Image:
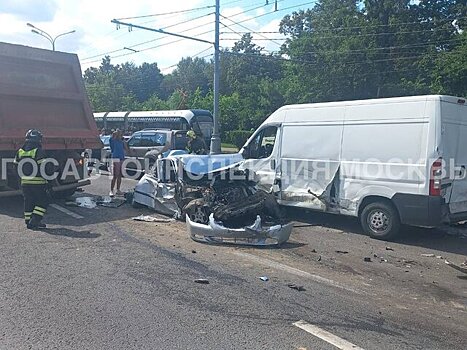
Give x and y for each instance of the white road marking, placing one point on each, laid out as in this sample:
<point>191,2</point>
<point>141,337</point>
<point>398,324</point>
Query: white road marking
<point>326,336</point>
<point>66,211</point>
<point>297,272</point>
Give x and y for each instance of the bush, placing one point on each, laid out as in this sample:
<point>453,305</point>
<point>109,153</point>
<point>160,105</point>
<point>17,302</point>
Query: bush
<point>238,137</point>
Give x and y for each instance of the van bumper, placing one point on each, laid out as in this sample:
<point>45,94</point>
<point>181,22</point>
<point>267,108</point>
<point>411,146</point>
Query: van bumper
<point>420,210</point>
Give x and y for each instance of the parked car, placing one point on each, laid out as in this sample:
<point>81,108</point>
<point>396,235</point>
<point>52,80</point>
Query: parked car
<point>388,161</point>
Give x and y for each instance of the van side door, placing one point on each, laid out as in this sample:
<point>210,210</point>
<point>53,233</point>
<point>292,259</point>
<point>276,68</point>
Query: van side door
<point>310,163</point>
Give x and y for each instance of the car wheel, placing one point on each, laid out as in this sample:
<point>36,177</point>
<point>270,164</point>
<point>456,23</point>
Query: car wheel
<point>380,220</point>
<point>197,211</point>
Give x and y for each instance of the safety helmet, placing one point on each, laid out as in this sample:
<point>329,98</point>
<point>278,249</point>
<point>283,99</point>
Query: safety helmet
<point>191,134</point>
<point>34,135</point>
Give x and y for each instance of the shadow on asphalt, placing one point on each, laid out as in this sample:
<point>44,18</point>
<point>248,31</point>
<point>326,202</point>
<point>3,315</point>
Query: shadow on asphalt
<point>429,238</point>
<point>70,233</point>
<point>13,207</point>
<point>435,239</point>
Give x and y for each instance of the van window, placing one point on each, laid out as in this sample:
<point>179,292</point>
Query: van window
<point>263,144</point>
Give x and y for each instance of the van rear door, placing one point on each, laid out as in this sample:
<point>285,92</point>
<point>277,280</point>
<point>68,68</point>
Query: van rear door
<point>454,141</point>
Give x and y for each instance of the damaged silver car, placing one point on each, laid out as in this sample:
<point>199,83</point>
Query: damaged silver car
<point>221,203</point>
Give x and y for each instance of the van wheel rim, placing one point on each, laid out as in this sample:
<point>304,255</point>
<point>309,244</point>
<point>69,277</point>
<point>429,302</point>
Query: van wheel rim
<point>378,221</point>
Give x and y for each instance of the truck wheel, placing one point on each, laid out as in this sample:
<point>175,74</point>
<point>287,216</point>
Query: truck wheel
<point>380,220</point>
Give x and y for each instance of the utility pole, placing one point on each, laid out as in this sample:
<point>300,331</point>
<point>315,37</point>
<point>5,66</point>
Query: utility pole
<point>215,139</point>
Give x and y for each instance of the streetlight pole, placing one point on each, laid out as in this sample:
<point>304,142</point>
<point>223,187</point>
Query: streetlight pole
<point>47,35</point>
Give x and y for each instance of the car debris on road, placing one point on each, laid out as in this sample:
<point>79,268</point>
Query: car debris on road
<point>201,281</point>
<point>149,218</point>
<point>296,287</point>
<point>93,202</point>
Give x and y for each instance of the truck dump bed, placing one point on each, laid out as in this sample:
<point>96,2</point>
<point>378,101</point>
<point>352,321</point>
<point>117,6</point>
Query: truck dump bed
<point>44,90</point>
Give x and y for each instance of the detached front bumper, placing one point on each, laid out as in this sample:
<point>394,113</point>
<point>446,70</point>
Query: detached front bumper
<point>255,234</point>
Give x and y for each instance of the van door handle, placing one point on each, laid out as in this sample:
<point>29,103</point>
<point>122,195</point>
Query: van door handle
<point>273,164</point>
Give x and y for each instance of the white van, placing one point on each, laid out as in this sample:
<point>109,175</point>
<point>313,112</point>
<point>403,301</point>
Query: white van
<point>388,161</point>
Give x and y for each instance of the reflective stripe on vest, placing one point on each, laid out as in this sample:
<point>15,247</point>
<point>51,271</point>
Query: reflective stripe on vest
<point>29,180</point>
<point>27,154</point>
<point>33,181</point>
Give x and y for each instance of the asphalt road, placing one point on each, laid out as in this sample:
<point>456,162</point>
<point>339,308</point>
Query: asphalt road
<point>95,279</point>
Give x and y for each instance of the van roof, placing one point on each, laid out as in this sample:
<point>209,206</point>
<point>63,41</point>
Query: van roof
<point>323,109</point>
<point>446,98</point>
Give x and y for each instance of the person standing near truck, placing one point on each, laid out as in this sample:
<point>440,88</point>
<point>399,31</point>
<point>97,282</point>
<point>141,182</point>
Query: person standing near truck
<point>29,159</point>
<point>117,148</point>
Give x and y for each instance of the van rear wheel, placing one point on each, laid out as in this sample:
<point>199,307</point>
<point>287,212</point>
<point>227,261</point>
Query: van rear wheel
<point>380,220</point>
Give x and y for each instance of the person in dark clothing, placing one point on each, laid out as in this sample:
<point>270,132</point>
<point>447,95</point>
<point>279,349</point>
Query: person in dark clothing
<point>196,144</point>
<point>29,159</point>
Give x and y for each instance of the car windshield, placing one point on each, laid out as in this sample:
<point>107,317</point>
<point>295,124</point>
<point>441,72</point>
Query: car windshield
<point>159,139</point>
<point>148,139</point>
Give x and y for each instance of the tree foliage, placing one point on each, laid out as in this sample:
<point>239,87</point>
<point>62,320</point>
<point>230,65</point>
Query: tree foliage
<point>336,50</point>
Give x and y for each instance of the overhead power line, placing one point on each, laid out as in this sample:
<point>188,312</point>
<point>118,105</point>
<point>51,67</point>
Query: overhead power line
<point>199,26</point>
<point>168,13</point>
<point>194,56</point>
<point>293,60</point>
<point>148,41</point>
<point>356,35</point>
<point>130,25</point>
<point>275,11</point>
<point>187,21</point>
<point>241,25</point>
<point>382,25</point>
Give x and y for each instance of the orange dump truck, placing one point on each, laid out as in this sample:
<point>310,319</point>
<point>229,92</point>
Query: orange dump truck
<point>44,90</point>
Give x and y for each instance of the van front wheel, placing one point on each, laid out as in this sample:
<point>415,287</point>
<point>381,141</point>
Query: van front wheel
<point>380,220</point>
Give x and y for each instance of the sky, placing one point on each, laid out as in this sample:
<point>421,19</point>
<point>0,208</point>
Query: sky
<point>96,36</point>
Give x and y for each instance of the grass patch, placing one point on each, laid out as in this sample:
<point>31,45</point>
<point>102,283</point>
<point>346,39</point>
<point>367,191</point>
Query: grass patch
<point>228,148</point>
